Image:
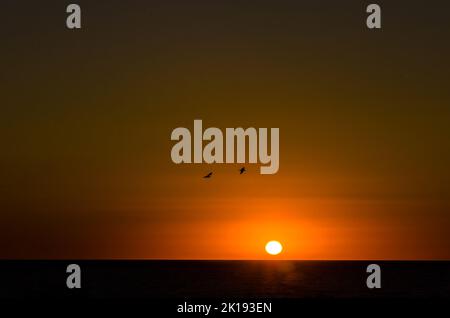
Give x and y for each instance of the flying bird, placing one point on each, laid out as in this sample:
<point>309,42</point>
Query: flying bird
<point>242,170</point>
<point>208,175</point>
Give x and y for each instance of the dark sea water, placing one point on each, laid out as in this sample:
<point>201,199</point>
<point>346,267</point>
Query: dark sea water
<point>225,279</point>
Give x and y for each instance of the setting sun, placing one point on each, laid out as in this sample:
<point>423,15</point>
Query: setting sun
<point>274,247</point>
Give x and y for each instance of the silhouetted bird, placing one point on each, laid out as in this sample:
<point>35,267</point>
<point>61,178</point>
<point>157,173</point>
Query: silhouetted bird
<point>242,170</point>
<point>208,175</point>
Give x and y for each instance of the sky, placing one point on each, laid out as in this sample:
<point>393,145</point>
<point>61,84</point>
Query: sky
<point>364,117</point>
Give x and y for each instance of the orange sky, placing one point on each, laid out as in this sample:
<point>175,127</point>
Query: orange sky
<point>232,217</point>
<point>85,167</point>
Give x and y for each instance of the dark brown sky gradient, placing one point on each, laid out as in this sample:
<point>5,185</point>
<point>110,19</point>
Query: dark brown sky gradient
<point>364,118</point>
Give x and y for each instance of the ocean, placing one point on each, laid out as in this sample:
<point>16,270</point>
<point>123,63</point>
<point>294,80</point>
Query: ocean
<point>222,280</point>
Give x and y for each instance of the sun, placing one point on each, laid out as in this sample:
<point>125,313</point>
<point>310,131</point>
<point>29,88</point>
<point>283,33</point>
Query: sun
<point>274,247</point>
